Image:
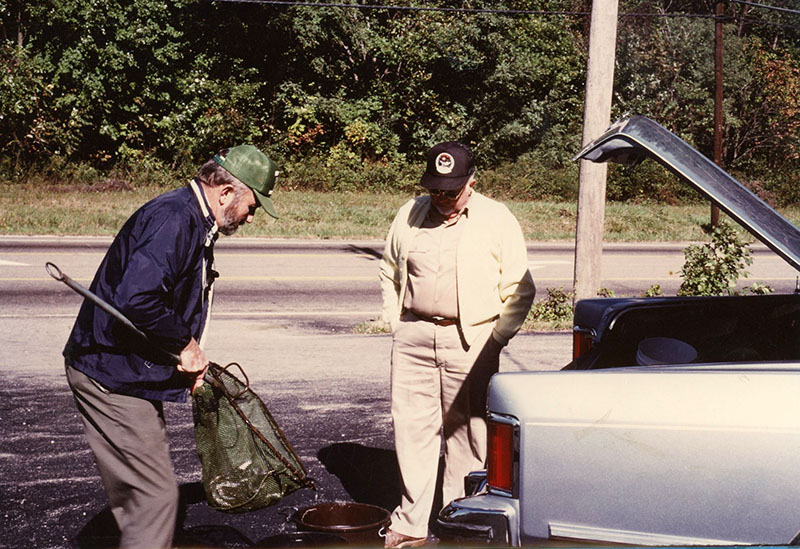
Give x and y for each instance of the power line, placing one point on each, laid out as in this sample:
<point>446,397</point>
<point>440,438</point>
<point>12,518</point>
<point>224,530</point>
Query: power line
<point>494,11</point>
<point>402,8</point>
<point>673,15</point>
<point>750,21</point>
<point>765,6</point>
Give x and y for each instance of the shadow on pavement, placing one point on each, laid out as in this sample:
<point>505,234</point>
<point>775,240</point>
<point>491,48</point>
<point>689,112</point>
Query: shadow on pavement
<point>369,475</point>
<point>101,531</point>
<point>376,254</point>
<point>211,535</point>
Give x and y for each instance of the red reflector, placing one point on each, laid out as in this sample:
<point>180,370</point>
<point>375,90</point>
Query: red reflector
<point>581,343</point>
<point>500,472</point>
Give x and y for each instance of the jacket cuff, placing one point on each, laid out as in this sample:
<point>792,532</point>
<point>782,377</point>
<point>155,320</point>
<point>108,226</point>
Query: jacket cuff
<point>501,339</point>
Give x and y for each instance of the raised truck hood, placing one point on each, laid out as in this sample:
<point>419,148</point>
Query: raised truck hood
<point>631,140</point>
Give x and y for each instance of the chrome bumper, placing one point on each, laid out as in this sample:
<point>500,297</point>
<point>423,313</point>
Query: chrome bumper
<point>486,518</point>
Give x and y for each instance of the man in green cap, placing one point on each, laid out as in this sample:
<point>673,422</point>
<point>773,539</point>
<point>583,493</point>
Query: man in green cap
<point>159,273</point>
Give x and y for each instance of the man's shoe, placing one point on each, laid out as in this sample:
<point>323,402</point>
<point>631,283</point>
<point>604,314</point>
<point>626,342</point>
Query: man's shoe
<point>398,540</point>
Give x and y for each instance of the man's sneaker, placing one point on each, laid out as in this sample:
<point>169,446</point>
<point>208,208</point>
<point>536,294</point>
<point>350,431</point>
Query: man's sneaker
<point>398,540</point>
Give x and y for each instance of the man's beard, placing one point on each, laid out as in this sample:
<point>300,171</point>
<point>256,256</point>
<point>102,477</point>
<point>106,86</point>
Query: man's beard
<point>229,224</point>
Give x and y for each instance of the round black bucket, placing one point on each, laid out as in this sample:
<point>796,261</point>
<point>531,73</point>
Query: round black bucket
<point>358,523</point>
<point>303,539</point>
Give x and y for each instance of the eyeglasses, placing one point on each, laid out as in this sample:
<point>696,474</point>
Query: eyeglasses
<point>451,195</point>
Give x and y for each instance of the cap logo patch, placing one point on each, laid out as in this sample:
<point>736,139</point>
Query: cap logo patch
<point>445,163</point>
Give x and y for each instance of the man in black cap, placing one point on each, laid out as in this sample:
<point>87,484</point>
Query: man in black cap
<point>456,287</point>
<point>158,272</point>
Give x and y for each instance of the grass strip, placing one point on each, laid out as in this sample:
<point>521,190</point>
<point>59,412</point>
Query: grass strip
<point>27,209</point>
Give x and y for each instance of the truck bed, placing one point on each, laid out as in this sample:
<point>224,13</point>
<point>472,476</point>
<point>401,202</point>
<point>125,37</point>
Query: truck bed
<point>721,329</point>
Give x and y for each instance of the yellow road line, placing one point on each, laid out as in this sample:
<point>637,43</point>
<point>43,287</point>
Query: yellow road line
<point>224,279</point>
<point>218,315</point>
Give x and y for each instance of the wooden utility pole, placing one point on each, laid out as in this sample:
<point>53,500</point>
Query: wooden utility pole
<point>718,54</point>
<point>596,118</point>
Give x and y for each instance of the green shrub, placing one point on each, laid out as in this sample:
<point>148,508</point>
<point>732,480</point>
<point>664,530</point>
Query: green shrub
<point>653,291</point>
<point>648,182</point>
<point>784,189</point>
<point>557,306</point>
<point>714,268</point>
<point>28,128</point>
<point>757,288</point>
<point>345,171</point>
<point>531,178</point>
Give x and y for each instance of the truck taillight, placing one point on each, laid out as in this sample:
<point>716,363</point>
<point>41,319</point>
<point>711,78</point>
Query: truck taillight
<point>502,454</point>
<point>581,342</point>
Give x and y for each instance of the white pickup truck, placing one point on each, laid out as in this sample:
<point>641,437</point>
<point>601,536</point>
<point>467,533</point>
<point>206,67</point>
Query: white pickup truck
<point>678,421</point>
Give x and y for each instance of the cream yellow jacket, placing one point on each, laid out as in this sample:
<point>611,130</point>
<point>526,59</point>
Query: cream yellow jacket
<point>493,280</point>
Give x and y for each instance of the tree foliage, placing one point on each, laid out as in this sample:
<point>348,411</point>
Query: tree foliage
<point>344,90</point>
<point>666,71</point>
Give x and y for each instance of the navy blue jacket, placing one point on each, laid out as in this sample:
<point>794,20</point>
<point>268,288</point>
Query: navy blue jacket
<point>158,273</point>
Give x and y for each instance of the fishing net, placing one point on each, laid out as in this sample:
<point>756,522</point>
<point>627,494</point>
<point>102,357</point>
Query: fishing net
<point>246,460</point>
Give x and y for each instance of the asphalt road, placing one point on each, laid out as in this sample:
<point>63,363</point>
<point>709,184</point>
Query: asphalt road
<point>285,312</point>
<point>325,279</point>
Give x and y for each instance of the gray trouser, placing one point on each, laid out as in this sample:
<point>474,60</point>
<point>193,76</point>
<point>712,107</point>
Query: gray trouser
<point>128,437</point>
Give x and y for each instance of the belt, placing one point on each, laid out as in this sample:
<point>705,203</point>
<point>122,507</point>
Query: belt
<point>438,320</point>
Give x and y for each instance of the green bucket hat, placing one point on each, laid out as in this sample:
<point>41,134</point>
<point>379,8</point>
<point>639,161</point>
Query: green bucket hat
<point>253,168</point>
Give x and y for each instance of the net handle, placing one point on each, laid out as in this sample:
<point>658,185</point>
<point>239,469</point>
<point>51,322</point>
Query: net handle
<point>54,271</point>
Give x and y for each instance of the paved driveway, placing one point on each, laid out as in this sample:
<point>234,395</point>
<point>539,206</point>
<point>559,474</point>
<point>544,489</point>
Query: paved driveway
<point>329,391</point>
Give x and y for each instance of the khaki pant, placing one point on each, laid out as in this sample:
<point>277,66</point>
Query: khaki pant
<point>129,440</point>
<point>438,389</point>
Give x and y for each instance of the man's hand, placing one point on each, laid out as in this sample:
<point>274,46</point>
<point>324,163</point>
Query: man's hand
<point>193,363</point>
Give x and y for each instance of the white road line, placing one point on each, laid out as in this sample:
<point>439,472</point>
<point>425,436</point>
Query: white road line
<point>538,265</point>
<point>7,263</point>
<point>224,279</point>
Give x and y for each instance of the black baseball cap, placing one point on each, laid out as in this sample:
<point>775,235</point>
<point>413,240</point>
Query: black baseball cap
<point>450,165</point>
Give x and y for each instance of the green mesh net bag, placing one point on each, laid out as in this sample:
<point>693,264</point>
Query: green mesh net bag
<point>247,462</point>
